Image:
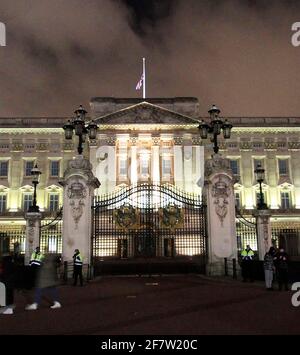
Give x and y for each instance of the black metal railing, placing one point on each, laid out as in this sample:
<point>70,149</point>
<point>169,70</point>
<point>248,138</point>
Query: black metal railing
<point>246,232</point>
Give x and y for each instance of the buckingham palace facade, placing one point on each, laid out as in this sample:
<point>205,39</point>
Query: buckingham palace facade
<point>156,142</point>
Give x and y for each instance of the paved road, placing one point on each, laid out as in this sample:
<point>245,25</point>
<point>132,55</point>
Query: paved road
<point>165,305</point>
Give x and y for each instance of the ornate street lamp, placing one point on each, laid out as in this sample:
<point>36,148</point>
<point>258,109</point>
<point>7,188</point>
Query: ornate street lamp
<point>81,130</point>
<point>35,173</point>
<point>260,176</point>
<point>215,127</point>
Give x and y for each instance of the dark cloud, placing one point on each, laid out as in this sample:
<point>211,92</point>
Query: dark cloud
<point>237,54</point>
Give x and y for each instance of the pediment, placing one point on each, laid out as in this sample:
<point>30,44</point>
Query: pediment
<point>285,182</point>
<point>145,113</point>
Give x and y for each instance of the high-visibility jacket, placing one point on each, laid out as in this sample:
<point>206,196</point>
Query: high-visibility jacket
<point>78,261</point>
<point>247,254</point>
<point>36,259</point>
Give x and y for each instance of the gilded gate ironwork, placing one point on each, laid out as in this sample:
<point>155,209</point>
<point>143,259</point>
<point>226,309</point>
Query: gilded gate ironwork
<point>148,220</point>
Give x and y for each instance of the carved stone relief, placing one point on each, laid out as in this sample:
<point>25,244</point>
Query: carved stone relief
<point>76,193</point>
<point>31,225</point>
<point>220,194</point>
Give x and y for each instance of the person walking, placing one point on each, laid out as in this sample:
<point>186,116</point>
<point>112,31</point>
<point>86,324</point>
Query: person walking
<point>47,281</point>
<point>77,263</point>
<point>8,277</point>
<point>247,264</point>
<point>281,264</point>
<point>269,268</point>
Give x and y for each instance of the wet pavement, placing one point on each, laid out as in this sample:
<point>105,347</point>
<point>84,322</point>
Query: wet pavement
<point>179,304</point>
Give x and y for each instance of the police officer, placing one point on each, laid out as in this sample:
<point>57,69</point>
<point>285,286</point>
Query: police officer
<point>36,258</point>
<point>247,264</point>
<point>77,262</point>
<point>35,263</point>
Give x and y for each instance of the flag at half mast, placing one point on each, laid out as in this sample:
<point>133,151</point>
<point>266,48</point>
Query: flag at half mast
<point>142,82</point>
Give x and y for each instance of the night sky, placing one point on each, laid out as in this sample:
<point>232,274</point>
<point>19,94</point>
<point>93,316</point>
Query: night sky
<point>236,54</point>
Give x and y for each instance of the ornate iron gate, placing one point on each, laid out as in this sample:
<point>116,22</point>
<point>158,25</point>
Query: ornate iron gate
<point>246,231</point>
<point>148,221</point>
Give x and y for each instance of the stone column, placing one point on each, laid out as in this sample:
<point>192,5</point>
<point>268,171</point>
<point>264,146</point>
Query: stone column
<point>93,155</point>
<point>264,235</point>
<point>188,167</point>
<point>79,184</point>
<point>219,194</point>
<point>33,227</point>
<point>111,163</point>
<point>133,166</point>
<point>178,162</point>
<point>155,163</point>
<point>198,168</point>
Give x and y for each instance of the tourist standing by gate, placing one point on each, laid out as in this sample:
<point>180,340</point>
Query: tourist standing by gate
<point>78,263</point>
<point>281,263</point>
<point>269,268</point>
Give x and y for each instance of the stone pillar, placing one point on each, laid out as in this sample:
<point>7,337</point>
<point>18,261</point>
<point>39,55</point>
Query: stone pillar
<point>111,164</point>
<point>155,161</point>
<point>264,235</point>
<point>198,165</point>
<point>79,184</point>
<point>188,167</point>
<point>93,156</point>
<point>219,194</point>
<point>133,167</point>
<point>33,227</point>
<point>178,162</point>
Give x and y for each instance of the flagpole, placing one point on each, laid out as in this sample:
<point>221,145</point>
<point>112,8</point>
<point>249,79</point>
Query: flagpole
<point>144,79</point>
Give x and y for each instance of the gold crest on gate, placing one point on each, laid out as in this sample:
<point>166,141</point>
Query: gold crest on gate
<point>171,217</point>
<point>126,218</point>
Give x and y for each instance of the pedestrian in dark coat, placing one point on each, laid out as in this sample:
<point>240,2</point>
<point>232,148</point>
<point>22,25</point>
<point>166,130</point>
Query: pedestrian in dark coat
<point>281,263</point>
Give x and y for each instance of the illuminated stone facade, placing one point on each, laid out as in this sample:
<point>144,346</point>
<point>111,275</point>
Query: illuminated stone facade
<point>154,141</point>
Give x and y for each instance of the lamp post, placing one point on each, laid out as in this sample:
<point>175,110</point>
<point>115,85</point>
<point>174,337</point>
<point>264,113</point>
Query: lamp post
<point>215,127</point>
<point>36,173</point>
<point>260,176</point>
<point>81,130</point>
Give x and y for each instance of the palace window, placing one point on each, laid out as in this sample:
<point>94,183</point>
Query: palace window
<point>123,166</point>
<point>27,201</point>
<point>283,167</point>
<point>234,165</point>
<point>285,200</point>
<point>166,166</point>
<point>53,202</point>
<point>144,167</point>
<point>2,203</point>
<point>29,164</point>
<point>54,168</point>
<point>4,168</point>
